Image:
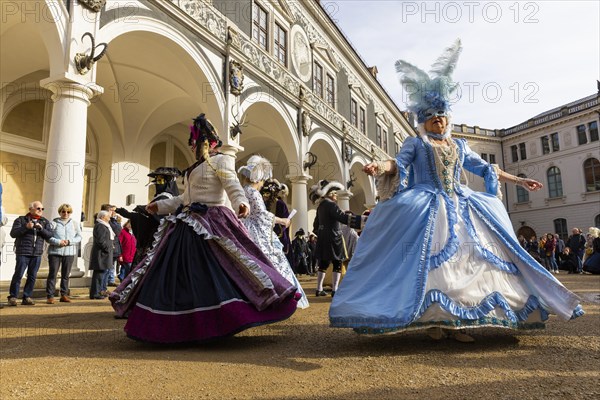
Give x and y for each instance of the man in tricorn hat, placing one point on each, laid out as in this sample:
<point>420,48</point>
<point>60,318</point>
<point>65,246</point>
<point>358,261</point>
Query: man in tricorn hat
<point>330,246</point>
<point>143,224</point>
<point>301,254</point>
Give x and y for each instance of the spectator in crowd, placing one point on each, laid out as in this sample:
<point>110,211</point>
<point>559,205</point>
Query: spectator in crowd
<point>65,240</point>
<point>301,253</point>
<point>522,241</point>
<point>3,221</point>
<point>592,261</point>
<point>29,232</point>
<point>109,277</point>
<point>577,244</point>
<point>128,246</point>
<point>570,262</point>
<point>549,249</point>
<point>533,248</point>
<point>101,258</point>
<point>560,248</point>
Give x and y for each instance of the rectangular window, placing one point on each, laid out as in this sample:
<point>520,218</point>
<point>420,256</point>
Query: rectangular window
<point>397,147</point>
<point>593,126</point>
<point>484,156</point>
<point>378,135</point>
<point>330,91</point>
<point>522,151</point>
<point>363,121</point>
<point>260,31</point>
<point>318,80</point>
<point>554,142</point>
<point>581,136</point>
<point>280,44</point>
<point>353,116</point>
<point>492,159</point>
<point>385,147</point>
<point>545,145</point>
<point>514,153</point>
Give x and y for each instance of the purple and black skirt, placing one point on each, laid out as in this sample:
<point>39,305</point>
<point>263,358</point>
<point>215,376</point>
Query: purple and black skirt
<point>203,279</point>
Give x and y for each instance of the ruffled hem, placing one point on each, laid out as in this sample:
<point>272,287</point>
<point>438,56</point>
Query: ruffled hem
<point>463,314</point>
<point>485,322</point>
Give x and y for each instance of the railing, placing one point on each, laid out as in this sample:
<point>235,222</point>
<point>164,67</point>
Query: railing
<point>547,118</point>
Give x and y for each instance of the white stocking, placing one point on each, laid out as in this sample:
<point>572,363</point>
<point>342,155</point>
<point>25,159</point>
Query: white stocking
<point>335,280</point>
<point>320,280</point>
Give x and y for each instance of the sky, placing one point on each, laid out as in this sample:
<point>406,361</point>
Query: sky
<point>519,59</point>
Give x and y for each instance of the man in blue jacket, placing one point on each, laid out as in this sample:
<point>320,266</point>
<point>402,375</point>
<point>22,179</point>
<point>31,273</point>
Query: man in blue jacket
<point>29,232</point>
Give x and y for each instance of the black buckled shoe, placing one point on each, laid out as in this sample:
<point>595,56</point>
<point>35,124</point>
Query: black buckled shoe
<point>320,293</point>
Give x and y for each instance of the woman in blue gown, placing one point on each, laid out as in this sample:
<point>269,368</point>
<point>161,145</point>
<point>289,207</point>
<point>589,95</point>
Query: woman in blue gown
<point>435,254</point>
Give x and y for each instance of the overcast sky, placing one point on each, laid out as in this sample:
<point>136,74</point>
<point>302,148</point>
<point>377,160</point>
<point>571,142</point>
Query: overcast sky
<point>519,59</point>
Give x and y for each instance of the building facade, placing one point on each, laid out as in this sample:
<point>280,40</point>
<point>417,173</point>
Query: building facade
<point>561,149</point>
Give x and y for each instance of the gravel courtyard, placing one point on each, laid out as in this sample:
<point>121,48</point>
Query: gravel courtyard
<point>79,351</point>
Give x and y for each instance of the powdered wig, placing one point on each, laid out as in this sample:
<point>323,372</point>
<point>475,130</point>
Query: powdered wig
<point>257,169</point>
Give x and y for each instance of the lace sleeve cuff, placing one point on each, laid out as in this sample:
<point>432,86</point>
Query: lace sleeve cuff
<point>389,184</point>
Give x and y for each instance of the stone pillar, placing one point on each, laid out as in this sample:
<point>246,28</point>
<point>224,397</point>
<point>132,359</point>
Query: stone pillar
<point>343,199</point>
<point>300,201</point>
<point>65,158</point>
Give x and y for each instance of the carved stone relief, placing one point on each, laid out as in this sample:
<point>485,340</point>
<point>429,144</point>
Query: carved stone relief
<point>236,77</point>
<point>301,53</point>
<point>94,5</point>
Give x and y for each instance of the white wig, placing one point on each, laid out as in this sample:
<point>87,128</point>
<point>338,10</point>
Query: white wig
<point>257,169</point>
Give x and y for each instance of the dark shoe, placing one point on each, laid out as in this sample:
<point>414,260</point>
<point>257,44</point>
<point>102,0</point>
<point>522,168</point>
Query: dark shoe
<point>332,293</point>
<point>320,293</point>
<point>65,299</point>
<point>28,301</point>
<point>112,284</point>
<point>50,300</point>
<point>97,297</point>
<point>12,301</point>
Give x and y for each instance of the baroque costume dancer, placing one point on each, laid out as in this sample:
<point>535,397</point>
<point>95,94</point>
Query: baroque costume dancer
<point>204,278</point>
<point>260,222</point>
<point>143,224</point>
<point>439,254</point>
<point>330,242</point>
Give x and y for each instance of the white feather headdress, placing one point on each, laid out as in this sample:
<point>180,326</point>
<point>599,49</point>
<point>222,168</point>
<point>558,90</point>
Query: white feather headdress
<point>257,169</point>
<point>430,91</point>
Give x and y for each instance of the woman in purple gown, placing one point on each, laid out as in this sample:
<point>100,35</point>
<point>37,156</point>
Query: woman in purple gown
<point>204,278</point>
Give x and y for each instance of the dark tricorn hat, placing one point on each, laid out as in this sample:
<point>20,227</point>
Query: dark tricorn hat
<point>165,171</point>
<point>300,232</point>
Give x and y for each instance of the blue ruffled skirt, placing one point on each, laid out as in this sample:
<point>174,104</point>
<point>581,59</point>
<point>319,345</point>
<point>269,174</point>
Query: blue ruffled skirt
<point>425,259</point>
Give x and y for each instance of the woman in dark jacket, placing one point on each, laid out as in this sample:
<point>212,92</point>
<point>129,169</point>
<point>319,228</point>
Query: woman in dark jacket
<point>102,253</point>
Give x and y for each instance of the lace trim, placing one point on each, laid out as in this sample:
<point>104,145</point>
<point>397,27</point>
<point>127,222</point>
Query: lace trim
<point>465,315</point>
<point>257,274</point>
<point>388,185</point>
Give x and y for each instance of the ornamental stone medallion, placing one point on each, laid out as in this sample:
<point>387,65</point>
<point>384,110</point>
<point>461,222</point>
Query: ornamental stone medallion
<point>94,5</point>
<point>301,53</point>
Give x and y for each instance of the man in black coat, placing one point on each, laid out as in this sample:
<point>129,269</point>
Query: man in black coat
<point>330,245</point>
<point>577,244</point>
<point>144,225</point>
<point>29,232</point>
<point>101,258</point>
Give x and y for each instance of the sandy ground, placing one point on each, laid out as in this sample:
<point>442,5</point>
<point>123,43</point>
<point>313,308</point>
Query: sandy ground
<point>79,351</point>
